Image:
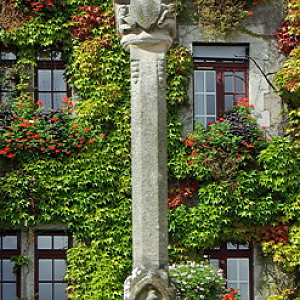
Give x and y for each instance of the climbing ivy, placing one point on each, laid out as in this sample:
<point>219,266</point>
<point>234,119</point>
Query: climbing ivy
<point>229,170</point>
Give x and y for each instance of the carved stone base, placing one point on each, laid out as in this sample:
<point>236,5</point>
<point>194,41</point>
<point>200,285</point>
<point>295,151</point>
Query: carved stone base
<point>148,284</point>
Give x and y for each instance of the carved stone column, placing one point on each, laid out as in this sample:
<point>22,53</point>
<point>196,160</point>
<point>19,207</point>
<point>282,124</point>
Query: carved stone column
<point>147,29</point>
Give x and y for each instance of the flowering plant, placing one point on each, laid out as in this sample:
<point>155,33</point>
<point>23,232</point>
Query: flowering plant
<point>32,6</point>
<point>233,139</point>
<point>200,281</point>
<point>26,128</point>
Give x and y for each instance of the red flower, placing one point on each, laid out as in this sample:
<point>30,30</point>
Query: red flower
<point>74,127</point>
<point>60,144</point>
<point>247,151</point>
<point>70,103</point>
<point>11,155</point>
<point>190,144</point>
<point>78,145</point>
<point>221,119</point>
<point>19,106</point>
<point>57,151</point>
<point>7,149</point>
<point>245,143</point>
<point>251,145</point>
<point>194,153</point>
<point>54,119</point>
<point>52,141</point>
<point>205,146</point>
<point>65,99</point>
<point>255,2</point>
<point>71,136</point>
<point>191,139</point>
<point>91,141</point>
<point>233,291</point>
<point>52,147</point>
<point>239,156</point>
<point>263,127</point>
<point>2,152</point>
<point>103,135</point>
<point>190,162</point>
<point>68,152</point>
<point>87,129</point>
<point>20,145</point>
<point>250,13</point>
<point>42,149</point>
<point>9,134</point>
<point>49,3</point>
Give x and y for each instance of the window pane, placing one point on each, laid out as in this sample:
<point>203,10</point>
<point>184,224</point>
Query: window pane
<point>244,247</point>
<point>8,55</point>
<point>7,270</point>
<point>228,101</point>
<point>45,98</point>
<point>228,77</point>
<point>200,120</point>
<point>56,56</point>
<point>239,82</point>
<point>57,100</point>
<point>214,262</point>
<point>199,105</point>
<point>45,291</point>
<point>44,80</point>
<point>9,291</point>
<point>231,246</point>
<point>211,120</point>
<point>244,269</point>
<point>59,83</point>
<point>199,81</point>
<point>45,269</point>
<point>44,242</point>
<point>9,242</point>
<point>60,268</point>
<point>232,269</point>
<point>244,291</point>
<point>211,104</point>
<point>210,81</point>
<point>60,292</point>
<point>61,242</point>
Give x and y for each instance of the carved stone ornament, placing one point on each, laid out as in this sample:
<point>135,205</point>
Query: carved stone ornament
<point>147,284</point>
<point>145,21</point>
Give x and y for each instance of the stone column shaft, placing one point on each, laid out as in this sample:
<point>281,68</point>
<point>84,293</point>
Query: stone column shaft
<point>149,158</point>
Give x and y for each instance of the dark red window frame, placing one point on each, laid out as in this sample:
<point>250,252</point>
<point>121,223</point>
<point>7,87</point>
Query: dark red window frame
<point>48,254</point>
<point>7,254</point>
<point>49,64</point>
<point>220,67</point>
<point>223,253</point>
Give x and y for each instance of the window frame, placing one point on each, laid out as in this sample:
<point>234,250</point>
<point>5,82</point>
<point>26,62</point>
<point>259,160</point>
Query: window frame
<point>49,64</point>
<point>223,253</point>
<point>7,63</point>
<point>48,254</point>
<point>7,254</point>
<point>220,66</point>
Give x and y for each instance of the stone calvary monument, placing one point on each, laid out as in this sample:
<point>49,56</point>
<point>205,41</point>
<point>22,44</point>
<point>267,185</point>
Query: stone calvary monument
<point>147,29</point>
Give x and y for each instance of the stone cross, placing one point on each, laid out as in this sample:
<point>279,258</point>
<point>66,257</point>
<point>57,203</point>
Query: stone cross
<point>147,29</point>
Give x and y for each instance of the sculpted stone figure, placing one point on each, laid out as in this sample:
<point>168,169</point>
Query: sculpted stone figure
<point>145,20</point>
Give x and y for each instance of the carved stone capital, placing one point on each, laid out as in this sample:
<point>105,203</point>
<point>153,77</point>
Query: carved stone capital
<point>145,22</point>
<point>149,284</point>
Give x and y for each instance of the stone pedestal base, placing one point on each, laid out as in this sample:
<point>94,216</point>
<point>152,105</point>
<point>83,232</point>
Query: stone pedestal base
<point>147,284</point>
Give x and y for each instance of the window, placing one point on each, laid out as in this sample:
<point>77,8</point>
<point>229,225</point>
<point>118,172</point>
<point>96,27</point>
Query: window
<point>50,82</point>
<point>50,265</point>
<point>9,281</point>
<point>220,77</point>
<point>7,59</point>
<point>236,262</point>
